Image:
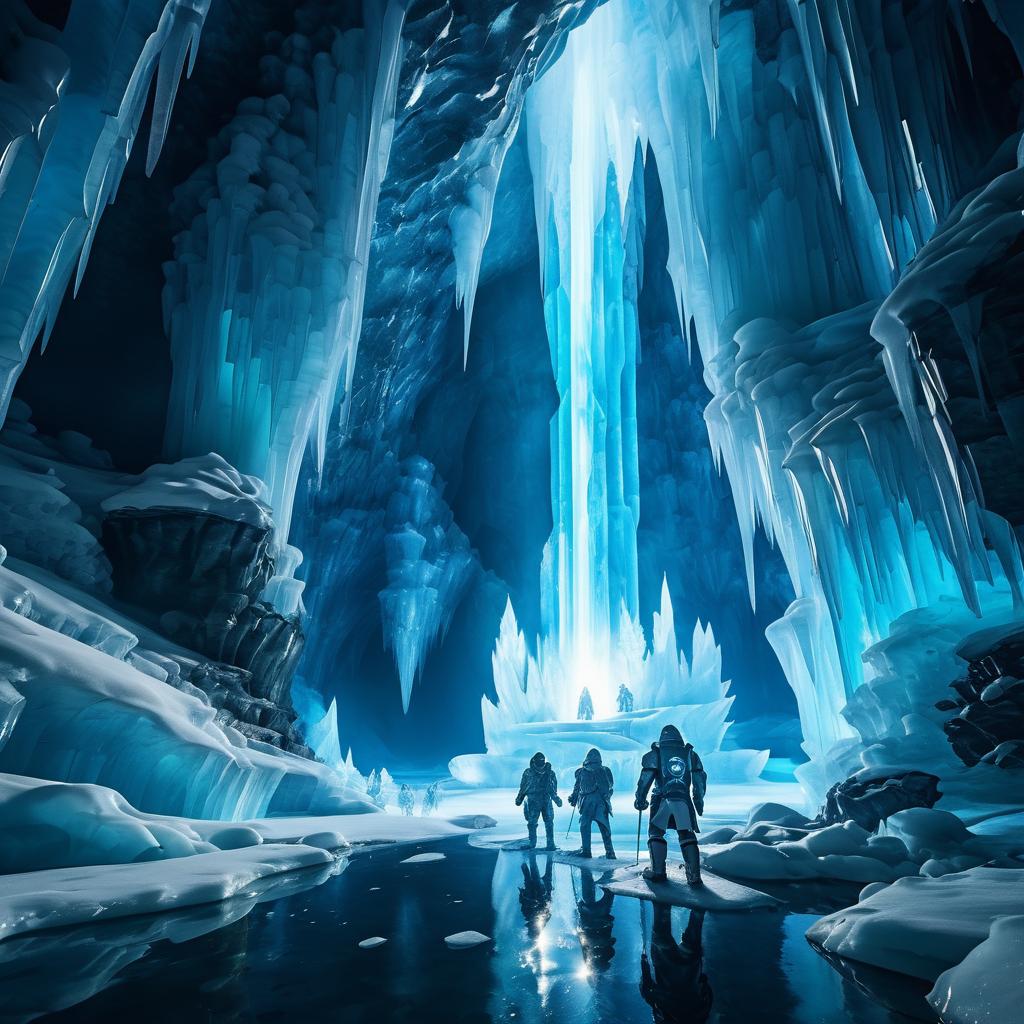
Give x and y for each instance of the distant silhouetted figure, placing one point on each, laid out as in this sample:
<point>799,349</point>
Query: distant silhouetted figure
<point>625,698</point>
<point>672,978</point>
<point>538,789</point>
<point>374,788</point>
<point>406,799</point>
<point>592,797</point>
<point>585,710</point>
<point>675,771</point>
<point>431,799</point>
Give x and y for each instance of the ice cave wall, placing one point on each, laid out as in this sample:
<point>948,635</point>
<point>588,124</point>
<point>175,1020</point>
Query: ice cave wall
<point>749,110</point>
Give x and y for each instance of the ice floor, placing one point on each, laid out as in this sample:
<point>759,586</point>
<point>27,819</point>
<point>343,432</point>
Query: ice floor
<point>556,951</point>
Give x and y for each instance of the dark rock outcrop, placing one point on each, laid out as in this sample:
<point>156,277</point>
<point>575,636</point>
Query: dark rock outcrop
<point>201,575</point>
<point>868,802</point>
<point>988,726</point>
<point>172,558</point>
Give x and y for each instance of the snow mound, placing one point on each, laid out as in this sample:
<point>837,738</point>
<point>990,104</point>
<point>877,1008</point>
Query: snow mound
<point>845,852</point>
<point>985,986</point>
<point>206,483</point>
<point>923,926</point>
<point>56,825</point>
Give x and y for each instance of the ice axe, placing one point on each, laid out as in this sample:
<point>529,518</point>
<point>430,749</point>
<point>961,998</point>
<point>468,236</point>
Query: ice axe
<point>639,825</point>
<point>571,816</point>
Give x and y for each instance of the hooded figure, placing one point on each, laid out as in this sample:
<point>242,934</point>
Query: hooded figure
<point>585,708</point>
<point>406,799</point>
<point>679,782</point>
<point>592,796</point>
<point>624,701</point>
<point>672,978</point>
<point>538,789</point>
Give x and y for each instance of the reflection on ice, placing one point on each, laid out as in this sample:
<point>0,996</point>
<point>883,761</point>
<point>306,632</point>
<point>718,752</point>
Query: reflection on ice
<point>91,957</point>
<point>562,950</point>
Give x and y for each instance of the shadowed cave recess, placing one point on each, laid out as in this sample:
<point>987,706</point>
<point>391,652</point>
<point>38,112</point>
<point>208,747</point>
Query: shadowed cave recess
<point>389,388</point>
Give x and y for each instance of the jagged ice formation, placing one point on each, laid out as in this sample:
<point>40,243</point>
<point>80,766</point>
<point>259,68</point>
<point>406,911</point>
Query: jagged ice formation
<point>264,298</point>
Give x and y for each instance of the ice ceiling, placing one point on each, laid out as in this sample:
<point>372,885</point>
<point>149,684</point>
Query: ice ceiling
<point>488,295</point>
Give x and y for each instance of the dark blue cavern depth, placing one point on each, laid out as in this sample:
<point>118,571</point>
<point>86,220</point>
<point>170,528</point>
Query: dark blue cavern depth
<point>520,502</point>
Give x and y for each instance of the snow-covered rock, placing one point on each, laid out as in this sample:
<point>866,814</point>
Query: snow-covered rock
<point>90,717</point>
<point>205,483</point>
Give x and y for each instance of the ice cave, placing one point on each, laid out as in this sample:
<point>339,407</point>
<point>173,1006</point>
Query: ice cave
<point>511,511</point>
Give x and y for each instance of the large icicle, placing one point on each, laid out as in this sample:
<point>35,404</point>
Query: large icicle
<point>264,299</point>
<point>86,91</point>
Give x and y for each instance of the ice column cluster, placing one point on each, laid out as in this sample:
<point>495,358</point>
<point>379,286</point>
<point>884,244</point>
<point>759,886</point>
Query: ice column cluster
<point>69,116</point>
<point>746,117</point>
<point>263,300</point>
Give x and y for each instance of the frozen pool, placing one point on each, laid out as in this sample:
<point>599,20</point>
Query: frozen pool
<point>560,951</point>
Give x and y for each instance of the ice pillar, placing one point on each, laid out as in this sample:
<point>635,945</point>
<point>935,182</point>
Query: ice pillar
<point>584,147</point>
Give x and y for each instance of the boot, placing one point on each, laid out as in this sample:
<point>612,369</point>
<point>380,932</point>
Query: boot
<point>584,850</point>
<point>659,854</point>
<point>549,828</point>
<point>691,862</point>
<point>606,835</point>
<point>531,831</point>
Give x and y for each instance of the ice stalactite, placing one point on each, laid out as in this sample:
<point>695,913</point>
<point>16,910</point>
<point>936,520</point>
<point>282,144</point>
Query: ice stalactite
<point>429,563</point>
<point>264,298</point>
<point>78,97</point>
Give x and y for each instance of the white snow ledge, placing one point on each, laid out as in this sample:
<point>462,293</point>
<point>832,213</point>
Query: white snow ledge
<point>36,900</point>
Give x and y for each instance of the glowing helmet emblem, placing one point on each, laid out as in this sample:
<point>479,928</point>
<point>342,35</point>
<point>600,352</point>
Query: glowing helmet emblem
<point>676,767</point>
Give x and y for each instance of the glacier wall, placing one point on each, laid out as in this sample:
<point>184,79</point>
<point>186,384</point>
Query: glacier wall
<point>73,108</point>
<point>264,298</point>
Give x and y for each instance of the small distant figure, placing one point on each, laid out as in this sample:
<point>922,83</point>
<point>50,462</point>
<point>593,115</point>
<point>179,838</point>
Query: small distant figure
<point>538,789</point>
<point>585,710</point>
<point>672,978</point>
<point>431,799</point>
<point>374,788</point>
<point>406,799</point>
<point>592,796</point>
<point>625,698</point>
<point>679,782</point>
